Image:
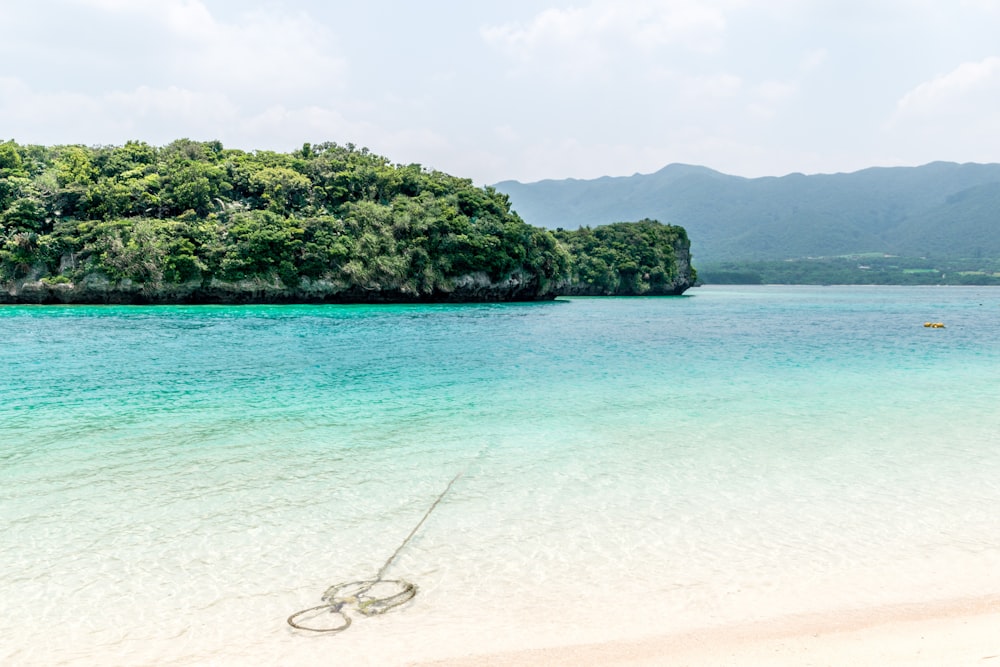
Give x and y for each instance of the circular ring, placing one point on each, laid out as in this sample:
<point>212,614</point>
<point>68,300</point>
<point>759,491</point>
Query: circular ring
<point>333,610</point>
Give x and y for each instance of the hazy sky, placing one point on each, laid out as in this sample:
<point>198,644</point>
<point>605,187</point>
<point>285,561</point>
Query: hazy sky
<point>520,89</point>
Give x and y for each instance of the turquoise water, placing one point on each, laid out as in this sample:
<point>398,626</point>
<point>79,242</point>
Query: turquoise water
<point>178,480</point>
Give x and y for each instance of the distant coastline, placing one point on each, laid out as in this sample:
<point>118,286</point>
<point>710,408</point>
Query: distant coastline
<point>927,225</point>
<point>863,269</point>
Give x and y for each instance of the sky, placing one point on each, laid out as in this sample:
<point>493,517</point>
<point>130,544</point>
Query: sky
<point>519,89</point>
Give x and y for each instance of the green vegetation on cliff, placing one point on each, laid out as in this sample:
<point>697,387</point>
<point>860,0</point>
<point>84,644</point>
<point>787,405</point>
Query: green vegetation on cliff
<point>632,259</point>
<point>195,211</point>
<point>194,221</point>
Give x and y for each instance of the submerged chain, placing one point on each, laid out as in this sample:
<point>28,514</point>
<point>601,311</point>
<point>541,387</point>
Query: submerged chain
<point>368,597</point>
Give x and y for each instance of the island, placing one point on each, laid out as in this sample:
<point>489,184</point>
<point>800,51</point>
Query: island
<point>195,222</point>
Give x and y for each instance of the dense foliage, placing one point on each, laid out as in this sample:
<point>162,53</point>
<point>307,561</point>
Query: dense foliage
<point>197,212</point>
<point>632,258</point>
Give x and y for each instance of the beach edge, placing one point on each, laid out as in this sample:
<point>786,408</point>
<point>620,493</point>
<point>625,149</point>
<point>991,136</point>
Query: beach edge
<point>953,632</point>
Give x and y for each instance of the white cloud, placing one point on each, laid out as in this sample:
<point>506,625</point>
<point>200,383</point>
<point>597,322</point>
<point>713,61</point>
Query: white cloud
<point>950,117</point>
<point>692,25</point>
<point>112,118</point>
<point>769,97</point>
<point>592,86</point>
<point>813,59</point>
<point>260,52</point>
<point>184,17</point>
<point>160,115</point>
<point>697,91</point>
<point>711,87</point>
<point>506,134</point>
<point>20,106</point>
<point>265,53</point>
<point>960,91</point>
<point>983,5</point>
<point>177,104</point>
<point>775,91</point>
<point>581,37</point>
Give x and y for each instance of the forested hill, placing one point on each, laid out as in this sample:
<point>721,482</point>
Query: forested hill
<point>194,222</point>
<point>940,210</point>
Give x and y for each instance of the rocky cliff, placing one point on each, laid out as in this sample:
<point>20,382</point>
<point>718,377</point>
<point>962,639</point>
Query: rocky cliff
<point>473,287</point>
<point>97,289</point>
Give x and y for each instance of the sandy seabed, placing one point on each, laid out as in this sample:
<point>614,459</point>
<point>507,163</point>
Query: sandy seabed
<point>954,633</point>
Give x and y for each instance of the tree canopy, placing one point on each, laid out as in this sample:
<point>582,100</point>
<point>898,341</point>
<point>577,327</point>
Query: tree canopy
<point>627,258</point>
<point>197,212</point>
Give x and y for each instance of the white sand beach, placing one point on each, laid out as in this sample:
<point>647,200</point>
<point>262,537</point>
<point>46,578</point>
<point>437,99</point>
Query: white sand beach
<point>955,633</point>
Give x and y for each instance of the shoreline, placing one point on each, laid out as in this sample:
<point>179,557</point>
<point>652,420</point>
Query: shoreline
<point>950,632</point>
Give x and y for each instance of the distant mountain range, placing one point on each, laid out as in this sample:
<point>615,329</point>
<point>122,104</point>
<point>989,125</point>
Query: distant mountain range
<point>940,210</point>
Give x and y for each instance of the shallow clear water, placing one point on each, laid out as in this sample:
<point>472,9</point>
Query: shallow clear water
<point>175,481</point>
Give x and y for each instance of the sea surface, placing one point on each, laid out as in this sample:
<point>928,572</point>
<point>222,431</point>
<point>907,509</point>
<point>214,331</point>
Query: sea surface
<point>176,481</point>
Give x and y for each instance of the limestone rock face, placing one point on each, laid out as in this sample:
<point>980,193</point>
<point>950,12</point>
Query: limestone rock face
<point>95,288</point>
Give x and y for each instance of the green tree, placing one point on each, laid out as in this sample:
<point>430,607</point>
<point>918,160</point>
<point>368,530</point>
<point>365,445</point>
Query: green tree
<point>282,190</point>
